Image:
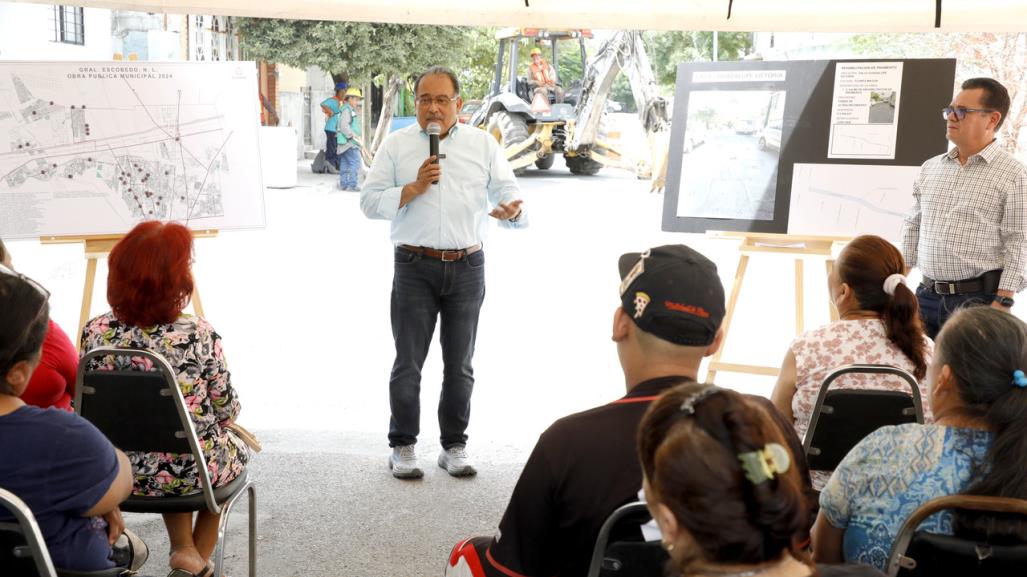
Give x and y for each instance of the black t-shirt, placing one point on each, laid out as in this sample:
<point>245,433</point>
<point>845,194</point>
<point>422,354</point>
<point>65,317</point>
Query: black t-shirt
<point>583,467</point>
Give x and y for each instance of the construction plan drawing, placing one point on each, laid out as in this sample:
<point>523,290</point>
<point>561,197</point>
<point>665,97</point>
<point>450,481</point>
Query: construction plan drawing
<point>850,199</point>
<point>865,110</point>
<point>96,147</point>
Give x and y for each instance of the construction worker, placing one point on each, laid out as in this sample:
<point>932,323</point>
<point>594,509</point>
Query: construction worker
<point>543,76</point>
<point>331,107</point>
<point>348,133</point>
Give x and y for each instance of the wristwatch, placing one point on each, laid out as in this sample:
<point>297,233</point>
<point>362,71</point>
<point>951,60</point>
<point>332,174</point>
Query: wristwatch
<point>1004,301</point>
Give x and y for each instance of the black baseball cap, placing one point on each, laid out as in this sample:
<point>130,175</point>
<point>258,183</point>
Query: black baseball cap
<point>674,293</point>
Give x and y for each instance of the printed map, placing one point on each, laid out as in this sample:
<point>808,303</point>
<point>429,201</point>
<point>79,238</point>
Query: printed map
<point>95,147</point>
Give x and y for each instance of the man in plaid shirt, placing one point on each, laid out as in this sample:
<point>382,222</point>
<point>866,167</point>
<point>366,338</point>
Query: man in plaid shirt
<point>967,231</point>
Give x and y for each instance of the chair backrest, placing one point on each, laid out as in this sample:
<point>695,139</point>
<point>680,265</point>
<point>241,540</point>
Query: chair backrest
<point>140,409</point>
<point>23,551</point>
<point>843,417</point>
<point>921,554</point>
<point>620,550</point>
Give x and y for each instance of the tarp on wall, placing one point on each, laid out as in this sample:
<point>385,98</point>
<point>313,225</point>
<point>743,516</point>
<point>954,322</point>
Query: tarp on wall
<point>752,15</point>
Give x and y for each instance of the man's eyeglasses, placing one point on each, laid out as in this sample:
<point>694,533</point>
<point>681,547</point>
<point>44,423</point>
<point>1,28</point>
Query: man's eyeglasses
<point>440,101</point>
<point>40,288</point>
<point>960,111</point>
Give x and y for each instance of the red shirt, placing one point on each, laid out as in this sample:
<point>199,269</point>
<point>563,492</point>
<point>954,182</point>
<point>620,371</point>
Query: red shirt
<point>53,382</point>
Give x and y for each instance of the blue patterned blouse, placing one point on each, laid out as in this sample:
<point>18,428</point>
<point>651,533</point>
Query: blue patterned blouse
<point>889,474</point>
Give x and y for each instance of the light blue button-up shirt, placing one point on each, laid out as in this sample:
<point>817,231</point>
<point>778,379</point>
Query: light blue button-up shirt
<point>454,213</point>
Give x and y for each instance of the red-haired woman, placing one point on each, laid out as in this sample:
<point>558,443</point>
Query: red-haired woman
<point>879,324</point>
<point>149,283</point>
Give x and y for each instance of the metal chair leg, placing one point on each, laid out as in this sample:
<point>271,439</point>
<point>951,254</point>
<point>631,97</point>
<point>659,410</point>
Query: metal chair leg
<point>226,511</point>
<point>253,530</point>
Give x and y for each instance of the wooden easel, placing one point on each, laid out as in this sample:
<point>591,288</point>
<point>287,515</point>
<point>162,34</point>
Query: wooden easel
<point>762,243</point>
<point>99,246</point>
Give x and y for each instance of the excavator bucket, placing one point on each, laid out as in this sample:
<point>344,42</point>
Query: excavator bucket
<point>659,144</point>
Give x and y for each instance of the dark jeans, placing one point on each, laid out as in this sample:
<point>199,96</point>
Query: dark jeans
<point>331,148</point>
<point>423,290</point>
<point>935,309</point>
<point>349,168</point>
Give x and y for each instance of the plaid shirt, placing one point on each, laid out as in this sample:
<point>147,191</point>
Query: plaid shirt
<point>969,219</point>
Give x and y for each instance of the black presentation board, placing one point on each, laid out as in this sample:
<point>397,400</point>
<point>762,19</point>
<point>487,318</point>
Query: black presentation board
<point>802,135</point>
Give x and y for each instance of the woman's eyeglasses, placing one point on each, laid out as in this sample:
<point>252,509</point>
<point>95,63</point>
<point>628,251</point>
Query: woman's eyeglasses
<point>42,305</point>
<point>42,290</point>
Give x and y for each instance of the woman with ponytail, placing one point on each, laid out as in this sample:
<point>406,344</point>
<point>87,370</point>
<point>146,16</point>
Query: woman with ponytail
<point>725,487</point>
<point>977,445</point>
<point>879,323</point>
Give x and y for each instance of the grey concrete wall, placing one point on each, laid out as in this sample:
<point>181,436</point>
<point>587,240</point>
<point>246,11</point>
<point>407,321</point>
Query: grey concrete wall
<point>321,87</point>
<point>290,113</point>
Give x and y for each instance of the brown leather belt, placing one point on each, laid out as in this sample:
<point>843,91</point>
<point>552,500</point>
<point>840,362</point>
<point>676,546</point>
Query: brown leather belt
<point>443,255</point>
<point>986,283</point>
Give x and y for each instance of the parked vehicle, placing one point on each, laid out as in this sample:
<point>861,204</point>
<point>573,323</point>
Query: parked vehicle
<point>745,127</point>
<point>770,138</point>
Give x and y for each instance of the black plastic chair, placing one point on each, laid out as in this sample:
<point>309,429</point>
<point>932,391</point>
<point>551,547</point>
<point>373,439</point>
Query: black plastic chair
<point>843,417</point>
<point>22,549</point>
<point>144,411</point>
<point>922,554</point>
<point>620,550</point>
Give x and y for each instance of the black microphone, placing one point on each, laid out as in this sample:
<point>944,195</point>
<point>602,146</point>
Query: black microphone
<point>433,129</point>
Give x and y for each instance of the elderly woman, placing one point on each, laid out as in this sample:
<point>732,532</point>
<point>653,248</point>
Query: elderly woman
<point>65,470</point>
<point>976,445</point>
<point>879,324</point>
<point>724,487</point>
<point>149,283</point>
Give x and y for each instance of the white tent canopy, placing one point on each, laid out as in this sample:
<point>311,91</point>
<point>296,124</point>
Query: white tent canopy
<point>752,15</point>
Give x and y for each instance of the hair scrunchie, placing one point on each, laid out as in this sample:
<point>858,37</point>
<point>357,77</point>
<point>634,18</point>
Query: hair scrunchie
<point>892,282</point>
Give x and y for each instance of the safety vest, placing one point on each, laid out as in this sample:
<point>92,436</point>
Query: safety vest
<point>354,124</point>
<point>541,74</point>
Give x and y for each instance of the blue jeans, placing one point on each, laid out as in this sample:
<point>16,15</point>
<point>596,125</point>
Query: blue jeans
<point>935,308</point>
<point>424,290</point>
<point>331,148</point>
<point>349,167</point>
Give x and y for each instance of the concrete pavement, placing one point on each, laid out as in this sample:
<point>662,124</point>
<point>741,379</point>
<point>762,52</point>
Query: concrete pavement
<point>302,306</point>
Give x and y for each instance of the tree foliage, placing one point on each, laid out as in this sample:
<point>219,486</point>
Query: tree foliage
<point>475,73</point>
<point>668,49</point>
<point>388,55</point>
<point>361,52</point>
<point>999,56</point>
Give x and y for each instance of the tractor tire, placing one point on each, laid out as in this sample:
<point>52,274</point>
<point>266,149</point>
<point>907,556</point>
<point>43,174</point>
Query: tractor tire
<point>582,165</point>
<point>509,129</point>
<point>546,162</point>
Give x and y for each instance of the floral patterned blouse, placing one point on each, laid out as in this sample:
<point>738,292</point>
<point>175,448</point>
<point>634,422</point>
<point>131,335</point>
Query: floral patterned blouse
<point>844,342</point>
<point>889,474</point>
<point>193,349</point>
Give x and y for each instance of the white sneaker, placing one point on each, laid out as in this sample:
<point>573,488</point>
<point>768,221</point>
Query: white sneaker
<point>456,462</point>
<point>403,462</point>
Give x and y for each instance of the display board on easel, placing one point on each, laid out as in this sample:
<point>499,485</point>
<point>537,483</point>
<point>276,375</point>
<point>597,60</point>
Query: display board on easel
<point>825,147</point>
<point>799,156</point>
<point>92,148</point>
<point>89,149</point>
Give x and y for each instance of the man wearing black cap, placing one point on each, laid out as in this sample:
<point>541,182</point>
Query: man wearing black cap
<point>585,465</point>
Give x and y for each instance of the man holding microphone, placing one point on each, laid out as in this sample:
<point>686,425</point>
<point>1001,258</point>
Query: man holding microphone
<point>439,206</point>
